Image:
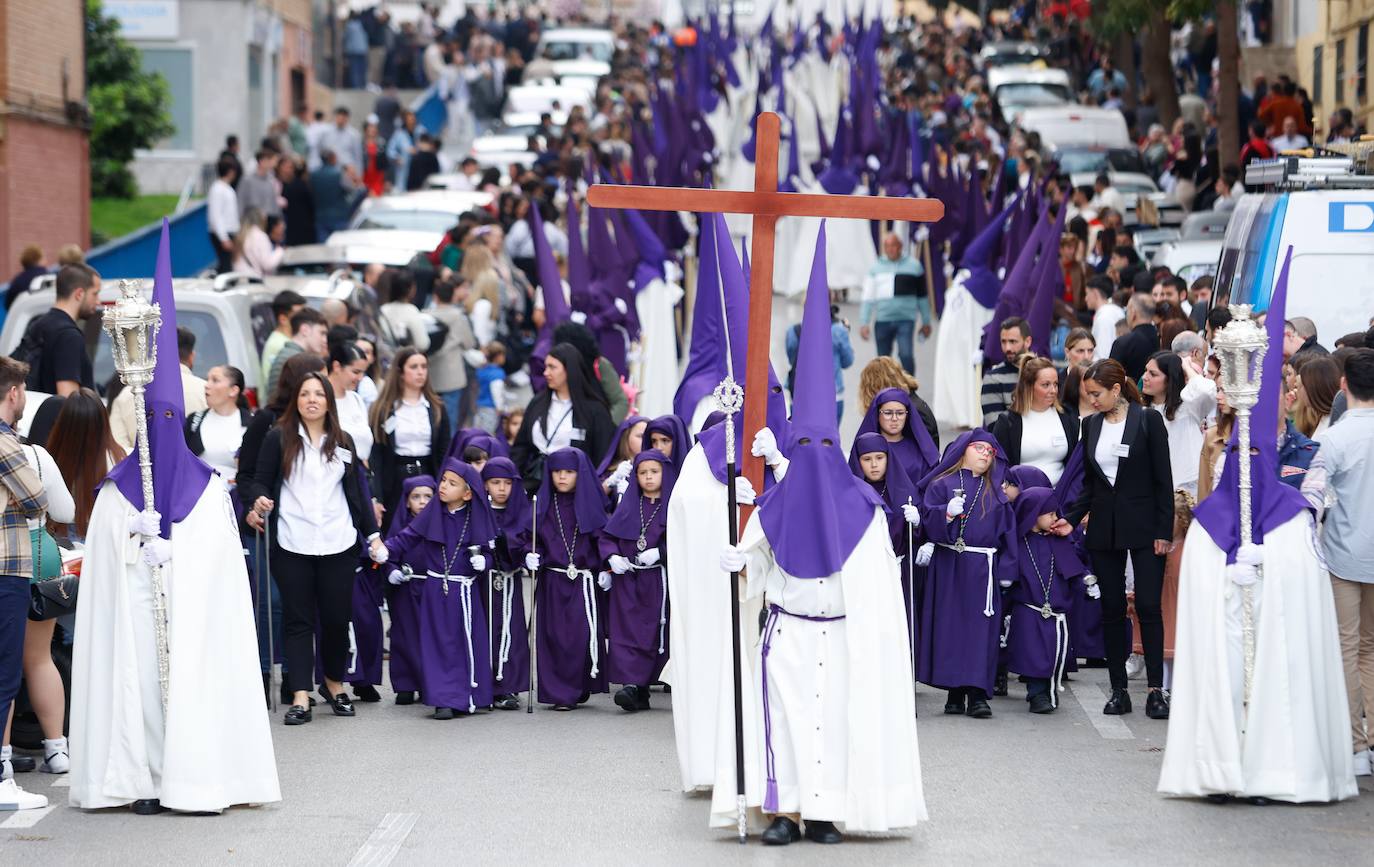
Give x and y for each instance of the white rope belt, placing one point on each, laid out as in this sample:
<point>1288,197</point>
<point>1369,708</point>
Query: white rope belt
<point>508,582</point>
<point>663,603</point>
<point>1061,650</point>
<point>588,608</point>
<point>989,553</point>
<point>464,597</point>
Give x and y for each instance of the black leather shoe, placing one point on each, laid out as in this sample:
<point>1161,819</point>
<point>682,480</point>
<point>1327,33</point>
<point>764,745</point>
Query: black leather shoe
<point>978,707</point>
<point>148,807</point>
<point>1118,704</point>
<point>954,703</point>
<point>823,832</point>
<point>506,702</point>
<point>406,697</point>
<point>627,698</point>
<point>341,703</point>
<point>23,764</point>
<point>298,716</point>
<point>1041,703</point>
<point>1157,704</point>
<point>1219,799</point>
<point>781,832</point>
<point>999,683</point>
<point>366,692</point>
<point>443,713</point>
<point>584,698</point>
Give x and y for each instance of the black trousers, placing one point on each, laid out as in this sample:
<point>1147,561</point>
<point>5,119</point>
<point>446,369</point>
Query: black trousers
<point>224,259</point>
<point>310,587</point>
<point>1110,568</point>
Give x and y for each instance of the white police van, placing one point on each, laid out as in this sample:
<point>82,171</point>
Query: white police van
<point>1323,208</point>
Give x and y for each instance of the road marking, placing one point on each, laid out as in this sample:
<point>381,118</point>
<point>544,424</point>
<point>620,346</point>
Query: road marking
<point>1110,727</point>
<point>384,843</point>
<point>26,818</point>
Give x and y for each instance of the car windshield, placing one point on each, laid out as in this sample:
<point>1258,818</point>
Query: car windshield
<point>1026,94</point>
<point>1195,271</point>
<point>1013,57</point>
<point>1075,160</point>
<point>210,348</point>
<point>415,221</point>
<point>577,50</point>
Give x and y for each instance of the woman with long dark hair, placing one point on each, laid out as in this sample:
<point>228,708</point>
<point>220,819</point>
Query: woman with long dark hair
<point>347,367</point>
<point>1128,489</point>
<point>1037,430</point>
<point>215,434</point>
<point>85,451</point>
<point>569,413</point>
<point>1185,398</point>
<point>410,427</point>
<point>309,484</point>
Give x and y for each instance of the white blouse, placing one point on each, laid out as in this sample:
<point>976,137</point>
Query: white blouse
<point>555,430</point>
<point>61,506</point>
<point>1186,431</point>
<point>1107,442</point>
<point>314,518</point>
<point>353,419</point>
<point>221,436</point>
<point>411,435</point>
<point>1042,442</point>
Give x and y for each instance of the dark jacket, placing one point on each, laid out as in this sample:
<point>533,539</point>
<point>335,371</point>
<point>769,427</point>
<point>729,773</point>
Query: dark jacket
<point>422,165</point>
<point>332,201</point>
<point>1134,349</point>
<point>300,213</point>
<point>1007,429</point>
<point>1140,508</point>
<point>590,417</point>
<point>267,478</point>
<point>1296,452</point>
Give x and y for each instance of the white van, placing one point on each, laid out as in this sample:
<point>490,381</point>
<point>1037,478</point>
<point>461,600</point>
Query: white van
<point>1017,88</point>
<point>1071,126</point>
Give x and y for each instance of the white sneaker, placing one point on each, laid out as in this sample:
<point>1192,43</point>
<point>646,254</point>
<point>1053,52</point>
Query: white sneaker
<point>12,797</point>
<point>1362,768</point>
<point>1135,666</point>
<point>55,759</point>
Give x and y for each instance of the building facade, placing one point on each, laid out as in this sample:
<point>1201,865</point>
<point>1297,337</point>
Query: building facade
<point>45,178</point>
<point>1333,60</point>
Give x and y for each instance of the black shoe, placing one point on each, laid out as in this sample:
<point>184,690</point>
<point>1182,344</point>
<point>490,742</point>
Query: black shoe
<point>298,716</point>
<point>148,807</point>
<point>506,702</point>
<point>341,703</point>
<point>781,832</point>
<point>565,707</point>
<point>1258,801</point>
<point>584,698</point>
<point>1118,704</point>
<point>443,713</point>
<point>288,695</point>
<point>999,683</point>
<point>978,704</point>
<point>1219,799</point>
<point>267,688</point>
<point>823,832</point>
<point>627,699</point>
<point>23,764</point>
<point>406,697</point>
<point>1157,704</point>
<point>955,702</point>
<point>1041,703</point>
<point>366,692</point>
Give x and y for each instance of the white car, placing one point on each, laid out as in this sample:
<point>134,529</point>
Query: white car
<point>1189,259</point>
<point>1077,126</point>
<point>553,98</point>
<point>1017,88</point>
<point>584,51</point>
<point>417,211</point>
<point>1012,54</point>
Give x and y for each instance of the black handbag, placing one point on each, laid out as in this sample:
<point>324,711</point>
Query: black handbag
<point>51,595</point>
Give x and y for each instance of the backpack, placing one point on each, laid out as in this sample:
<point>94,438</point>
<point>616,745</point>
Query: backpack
<point>30,351</point>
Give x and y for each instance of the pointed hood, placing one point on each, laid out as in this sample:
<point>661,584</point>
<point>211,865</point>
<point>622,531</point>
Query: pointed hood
<point>1014,298</point>
<point>179,477</point>
<point>982,282</point>
<point>705,364</point>
<point>1047,288</point>
<point>817,514</point>
<point>556,309</point>
<point>579,268</point>
<point>651,251</point>
<point>839,178</point>
<point>1272,502</point>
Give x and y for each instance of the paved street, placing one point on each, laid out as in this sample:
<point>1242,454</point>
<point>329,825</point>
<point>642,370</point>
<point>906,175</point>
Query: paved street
<point>393,786</point>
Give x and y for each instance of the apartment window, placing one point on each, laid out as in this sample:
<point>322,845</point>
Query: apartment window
<point>1317,72</point>
<point>1362,64</point>
<point>177,67</point>
<point>1340,73</point>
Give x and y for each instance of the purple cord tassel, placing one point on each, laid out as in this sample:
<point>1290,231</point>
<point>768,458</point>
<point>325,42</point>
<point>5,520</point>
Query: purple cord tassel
<point>770,794</point>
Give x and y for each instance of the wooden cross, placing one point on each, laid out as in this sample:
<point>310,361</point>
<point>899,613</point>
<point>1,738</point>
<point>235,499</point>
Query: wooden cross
<point>765,204</point>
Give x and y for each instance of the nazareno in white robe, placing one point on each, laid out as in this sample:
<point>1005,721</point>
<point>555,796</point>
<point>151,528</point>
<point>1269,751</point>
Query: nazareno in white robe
<point>957,382</point>
<point>882,790</point>
<point>656,370</point>
<point>215,749</point>
<point>1294,742</point>
<point>700,656</point>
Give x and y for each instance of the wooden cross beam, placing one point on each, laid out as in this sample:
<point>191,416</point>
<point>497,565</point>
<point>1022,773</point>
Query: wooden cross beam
<point>765,204</point>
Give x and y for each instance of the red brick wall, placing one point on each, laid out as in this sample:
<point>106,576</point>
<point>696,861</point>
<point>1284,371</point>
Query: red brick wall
<point>45,189</point>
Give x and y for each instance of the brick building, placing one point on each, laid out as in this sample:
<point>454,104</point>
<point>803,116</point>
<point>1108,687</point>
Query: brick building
<point>45,178</point>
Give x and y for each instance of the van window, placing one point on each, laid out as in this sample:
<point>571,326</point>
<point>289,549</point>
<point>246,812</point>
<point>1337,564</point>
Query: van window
<point>210,348</point>
<point>1240,256</point>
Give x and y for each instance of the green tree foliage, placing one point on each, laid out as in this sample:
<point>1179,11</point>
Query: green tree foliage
<point>1112,17</point>
<point>129,107</point>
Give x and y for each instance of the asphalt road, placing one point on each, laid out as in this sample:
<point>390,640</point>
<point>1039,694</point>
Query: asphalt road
<point>598,785</point>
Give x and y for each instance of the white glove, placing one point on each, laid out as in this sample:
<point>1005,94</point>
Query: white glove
<point>912,514</point>
<point>619,565</point>
<point>924,553</point>
<point>977,357</point>
<point>578,316</point>
<point>478,563</point>
<point>147,523</point>
<point>157,551</point>
<point>397,577</point>
<point>1004,583</point>
<point>620,305</point>
<point>766,446</point>
<point>603,580</point>
<point>744,491</point>
<point>621,486</point>
<point>732,559</point>
<point>1250,555</point>
<point>622,471</point>
<point>519,379</point>
<point>922,233</point>
<point>956,506</point>
<point>475,357</point>
<point>648,558</point>
<point>1094,592</point>
<point>379,553</point>
<point>1242,574</point>
<point>532,561</point>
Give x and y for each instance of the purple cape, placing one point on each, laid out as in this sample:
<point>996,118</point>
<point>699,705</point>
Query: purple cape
<point>438,524</point>
<point>514,519</point>
<point>915,451</point>
<point>674,429</point>
<point>605,467</point>
<point>400,516</point>
<point>589,504</point>
<point>624,523</point>
<point>954,453</point>
<point>1025,477</point>
<point>179,477</point>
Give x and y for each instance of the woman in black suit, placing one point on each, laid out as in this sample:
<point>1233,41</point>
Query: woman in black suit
<point>410,429</point>
<point>1037,430</point>
<point>571,412</point>
<point>1128,492</point>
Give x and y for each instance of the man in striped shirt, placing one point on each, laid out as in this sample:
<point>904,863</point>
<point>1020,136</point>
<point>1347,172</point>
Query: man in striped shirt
<point>999,382</point>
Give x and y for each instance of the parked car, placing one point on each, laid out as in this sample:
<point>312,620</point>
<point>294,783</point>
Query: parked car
<point>1072,126</point>
<point>578,51</point>
<point>1017,88</point>
<point>1189,259</point>
<point>1133,186</point>
<point>536,98</point>
<point>1205,225</point>
<point>998,54</point>
<point>323,259</point>
<point>418,211</point>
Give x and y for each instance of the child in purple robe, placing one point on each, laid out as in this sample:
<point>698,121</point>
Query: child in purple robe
<point>884,473</point>
<point>1044,571</point>
<point>510,642</point>
<point>446,547</point>
<point>967,518</point>
<point>634,545</point>
<point>416,492</point>
<point>571,512</point>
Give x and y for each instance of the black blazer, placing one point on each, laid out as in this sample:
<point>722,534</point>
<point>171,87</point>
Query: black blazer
<point>267,479</point>
<point>1008,427</point>
<point>1140,508</point>
<point>1135,347</point>
<point>589,416</point>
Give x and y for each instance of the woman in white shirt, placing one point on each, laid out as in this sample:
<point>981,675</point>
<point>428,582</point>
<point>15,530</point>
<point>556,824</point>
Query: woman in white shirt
<point>257,247</point>
<point>1186,398</point>
<point>215,433</point>
<point>347,366</point>
<point>367,386</point>
<point>1037,430</point>
<point>310,484</point>
<point>410,428</point>
<point>407,323</point>
<point>41,677</point>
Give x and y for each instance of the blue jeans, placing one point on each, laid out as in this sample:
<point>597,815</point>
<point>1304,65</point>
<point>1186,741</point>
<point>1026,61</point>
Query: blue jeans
<point>884,333</point>
<point>14,618</point>
<point>357,71</point>
<point>453,403</point>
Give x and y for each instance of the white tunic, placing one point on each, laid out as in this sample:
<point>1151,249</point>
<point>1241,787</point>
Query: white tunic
<point>957,382</point>
<point>656,372</point>
<point>1293,743</point>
